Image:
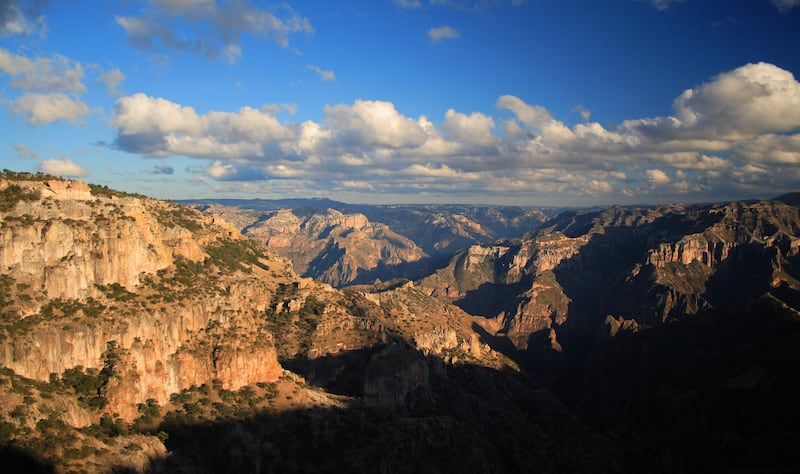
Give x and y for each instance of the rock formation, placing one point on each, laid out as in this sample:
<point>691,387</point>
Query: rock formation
<point>87,270</point>
<point>333,247</point>
<point>343,244</point>
<point>646,265</point>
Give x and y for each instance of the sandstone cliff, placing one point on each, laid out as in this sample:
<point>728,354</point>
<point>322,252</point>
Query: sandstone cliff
<point>333,247</point>
<point>178,297</point>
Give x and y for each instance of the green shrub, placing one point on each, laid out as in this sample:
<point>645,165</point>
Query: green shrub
<point>14,193</point>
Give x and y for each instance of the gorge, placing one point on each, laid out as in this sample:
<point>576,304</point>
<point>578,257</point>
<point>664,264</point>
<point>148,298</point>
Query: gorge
<point>144,335</point>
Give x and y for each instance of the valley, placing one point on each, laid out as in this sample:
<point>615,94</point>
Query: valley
<point>317,336</point>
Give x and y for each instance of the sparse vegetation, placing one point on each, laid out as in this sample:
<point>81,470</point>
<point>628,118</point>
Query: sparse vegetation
<point>105,191</point>
<point>24,176</point>
<point>230,255</point>
<point>177,215</point>
<point>14,193</point>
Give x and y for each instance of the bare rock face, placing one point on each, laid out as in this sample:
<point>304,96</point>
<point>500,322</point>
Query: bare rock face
<point>333,247</point>
<point>638,265</point>
<point>159,296</point>
<point>70,240</point>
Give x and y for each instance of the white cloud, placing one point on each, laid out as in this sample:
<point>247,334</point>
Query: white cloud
<point>364,185</point>
<point>44,74</point>
<point>323,74</point>
<point>598,188</point>
<point>158,127</point>
<point>43,109</point>
<point>214,29</point>
<point>772,149</point>
<point>443,33</point>
<point>525,150</point>
<point>474,128</point>
<point>537,119</point>
<point>736,105</point>
<point>441,171</point>
<point>656,177</point>
<point>369,123</point>
<point>63,167</point>
<point>111,81</point>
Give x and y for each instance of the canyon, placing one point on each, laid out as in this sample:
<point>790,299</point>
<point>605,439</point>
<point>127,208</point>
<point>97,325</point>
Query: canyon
<point>310,335</point>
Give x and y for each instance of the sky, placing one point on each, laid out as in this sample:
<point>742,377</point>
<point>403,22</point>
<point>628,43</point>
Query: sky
<point>537,102</point>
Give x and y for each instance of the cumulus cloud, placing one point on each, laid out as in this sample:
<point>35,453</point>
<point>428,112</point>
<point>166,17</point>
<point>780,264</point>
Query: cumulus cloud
<point>369,124</point>
<point>442,33</point>
<point>210,27</point>
<point>228,172</point>
<point>158,127</point>
<point>745,119</point>
<point>537,119</point>
<point>22,17</point>
<point>475,128</point>
<point>657,177</point>
<point>323,74</point>
<point>63,167</point>
<point>737,105</point>
<point>43,109</point>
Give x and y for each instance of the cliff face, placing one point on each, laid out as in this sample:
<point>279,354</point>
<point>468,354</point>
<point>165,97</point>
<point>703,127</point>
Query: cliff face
<point>343,244</point>
<point>646,265</point>
<point>92,276</point>
<point>71,240</point>
<point>333,247</point>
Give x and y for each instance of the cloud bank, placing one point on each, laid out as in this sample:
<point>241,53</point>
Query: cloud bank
<point>737,133</point>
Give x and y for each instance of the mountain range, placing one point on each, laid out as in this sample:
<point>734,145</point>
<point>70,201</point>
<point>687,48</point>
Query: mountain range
<point>314,336</point>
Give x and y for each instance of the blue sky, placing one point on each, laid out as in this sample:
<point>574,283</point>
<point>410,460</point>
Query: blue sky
<point>537,102</point>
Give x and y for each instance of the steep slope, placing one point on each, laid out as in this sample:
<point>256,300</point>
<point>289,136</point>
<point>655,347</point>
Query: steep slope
<point>343,244</point>
<point>335,248</point>
<point>157,294</point>
<point>141,335</point>
<point>441,230</point>
<point>647,265</point>
<point>675,328</point>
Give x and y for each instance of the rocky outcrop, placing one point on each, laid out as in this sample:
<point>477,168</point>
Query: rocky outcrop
<point>699,247</point>
<point>158,295</point>
<point>333,247</point>
<point>70,240</point>
<point>641,265</point>
<point>346,243</point>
